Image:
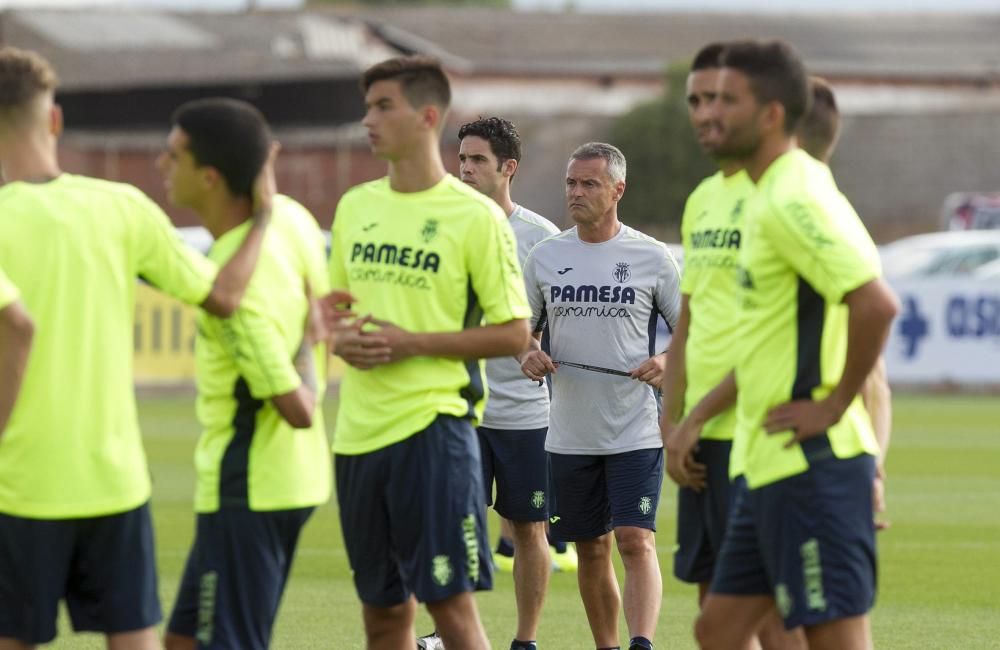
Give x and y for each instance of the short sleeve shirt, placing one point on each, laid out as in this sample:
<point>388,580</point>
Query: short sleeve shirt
<point>601,303</point>
<point>75,246</point>
<point>806,250</point>
<point>247,455</point>
<point>438,260</point>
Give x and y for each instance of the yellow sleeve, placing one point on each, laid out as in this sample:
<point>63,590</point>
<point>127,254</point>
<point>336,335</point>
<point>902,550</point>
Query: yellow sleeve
<point>494,269</point>
<point>8,292</point>
<point>164,260</point>
<point>338,254</point>
<point>691,207</point>
<point>823,239</point>
<point>256,345</point>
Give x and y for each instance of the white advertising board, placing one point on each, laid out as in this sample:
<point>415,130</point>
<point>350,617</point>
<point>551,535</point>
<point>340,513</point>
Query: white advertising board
<point>948,331</point>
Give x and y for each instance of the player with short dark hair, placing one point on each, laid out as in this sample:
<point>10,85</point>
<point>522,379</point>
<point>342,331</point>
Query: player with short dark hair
<point>428,258</point>
<point>512,432</point>
<point>74,486</point>
<point>813,317</point>
<point>704,348</point>
<point>600,288</point>
<point>262,461</point>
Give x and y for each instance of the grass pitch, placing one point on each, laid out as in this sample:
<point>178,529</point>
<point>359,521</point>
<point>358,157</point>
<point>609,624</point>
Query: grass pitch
<point>939,562</point>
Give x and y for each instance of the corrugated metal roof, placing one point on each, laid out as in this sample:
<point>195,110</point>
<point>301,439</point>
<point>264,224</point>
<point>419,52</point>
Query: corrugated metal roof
<point>118,31</point>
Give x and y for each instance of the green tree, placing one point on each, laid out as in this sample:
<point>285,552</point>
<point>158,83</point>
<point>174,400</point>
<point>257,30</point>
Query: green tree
<point>665,162</point>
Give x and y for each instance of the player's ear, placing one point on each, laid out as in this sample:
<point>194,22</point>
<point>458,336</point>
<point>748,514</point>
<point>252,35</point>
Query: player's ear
<point>508,168</point>
<point>56,120</point>
<point>619,190</point>
<point>773,116</point>
<point>431,116</point>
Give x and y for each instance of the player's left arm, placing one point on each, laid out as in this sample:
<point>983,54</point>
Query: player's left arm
<point>826,244</point>
<point>16,333</point>
<point>878,402</point>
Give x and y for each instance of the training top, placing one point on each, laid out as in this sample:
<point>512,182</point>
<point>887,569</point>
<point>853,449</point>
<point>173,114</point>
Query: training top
<point>601,303</point>
<point>805,250</point>
<point>8,292</point>
<point>515,402</point>
<point>74,246</point>
<point>712,232</point>
<point>438,260</point>
<point>247,455</point>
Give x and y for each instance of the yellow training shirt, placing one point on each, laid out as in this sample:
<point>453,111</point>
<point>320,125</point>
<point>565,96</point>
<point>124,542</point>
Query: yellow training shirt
<point>431,261</point>
<point>805,250</point>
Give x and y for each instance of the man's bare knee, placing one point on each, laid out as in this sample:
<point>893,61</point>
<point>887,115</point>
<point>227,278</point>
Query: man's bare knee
<point>14,644</point>
<point>634,542</point>
<point>594,550</point>
<point>528,532</point>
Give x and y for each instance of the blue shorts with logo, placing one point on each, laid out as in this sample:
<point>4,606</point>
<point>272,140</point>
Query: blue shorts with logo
<point>413,515</point>
<point>515,460</point>
<point>807,540</point>
<point>235,575</point>
<point>592,495</point>
<point>702,516</point>
<point>105,568</point>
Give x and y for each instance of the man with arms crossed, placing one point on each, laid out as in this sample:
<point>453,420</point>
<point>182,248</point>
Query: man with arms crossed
<point>802,536</point>
<point>261,459</point>
<point>600,287</point>
<point>16,331</point>
<point>427,258</point>
<point>512,433</point>
<point>74,487</point>
<point>704,348</point>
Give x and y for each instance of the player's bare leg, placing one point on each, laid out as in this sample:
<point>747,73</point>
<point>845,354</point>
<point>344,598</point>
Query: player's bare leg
<point>532,567</point>
<point>843,634</point>
<point>14,644</point>
<point>599,589</point>
<point>173,641</point>
<point>643,583</point>
<point>456,620</point>
<point>389,628</point>
<point>728,622</point>
<point>774,636</point>
<point>144,639</point>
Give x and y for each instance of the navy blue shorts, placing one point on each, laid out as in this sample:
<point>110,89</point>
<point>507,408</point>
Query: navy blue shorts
<point>808,541</point>
<point>515,459</point>
<point>413,515</point>
<point>592,495</point>
<point>105,568</point>
<point>235,575</point>
<point>702,516</point>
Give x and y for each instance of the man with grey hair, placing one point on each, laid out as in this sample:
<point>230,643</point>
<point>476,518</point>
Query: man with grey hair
<point>601,286</point>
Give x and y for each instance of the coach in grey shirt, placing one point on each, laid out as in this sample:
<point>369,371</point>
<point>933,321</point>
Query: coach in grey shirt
<point>600,287</point>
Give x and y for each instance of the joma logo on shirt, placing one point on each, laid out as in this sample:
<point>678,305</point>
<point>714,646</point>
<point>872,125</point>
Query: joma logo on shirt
<point>412,258</point>
<point>592,293</point>
<point>716,238</point>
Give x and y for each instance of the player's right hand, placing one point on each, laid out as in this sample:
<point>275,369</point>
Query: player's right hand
<point>265,186</point>
<point>680,442</point>
<point>360,349</point>
<point>536,364</point>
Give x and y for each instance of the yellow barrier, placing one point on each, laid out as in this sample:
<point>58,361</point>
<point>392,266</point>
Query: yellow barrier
<point>164,335</point>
